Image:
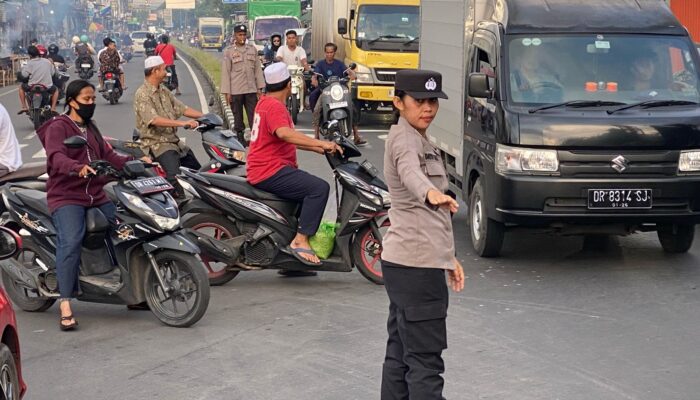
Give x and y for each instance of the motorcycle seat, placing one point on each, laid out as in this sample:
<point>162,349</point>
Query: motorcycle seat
<point>95,221</point>
<point>35,200</point>
<point>25,172</point>
<point>240,185</point>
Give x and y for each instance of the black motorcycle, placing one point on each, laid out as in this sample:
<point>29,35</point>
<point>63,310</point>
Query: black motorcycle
<point>112,88</point>
<point>38,104</point>
<point>144,257</point>
<point>243,228</point>
<point>336,101</point>
<point>86,67</point>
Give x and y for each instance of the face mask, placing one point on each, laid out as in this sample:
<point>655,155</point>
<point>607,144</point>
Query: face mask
<point>86,111</point>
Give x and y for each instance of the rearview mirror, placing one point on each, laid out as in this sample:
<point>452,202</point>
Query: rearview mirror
<point>135,135</point>
<point>310,61</point>
<point>353,66</point>
<point>10,243</point>
<point>342,26</point>
<point>479,86</point>
<point>261,53</point>
<point>211,119</point>
<point>75,142</point>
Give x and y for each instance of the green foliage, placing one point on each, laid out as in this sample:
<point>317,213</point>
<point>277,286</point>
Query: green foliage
<point>215,8</point>
<point>208,61</point>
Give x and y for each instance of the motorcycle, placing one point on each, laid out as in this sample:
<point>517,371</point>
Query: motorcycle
<point>86,67</point>
<point>336,101</point>
<point>127,53</point>
<point>242,228</point>
<point>145,257</point>
<point>295,102</point>
<point>61,78</point>
<point>112,89</point>
<point>169,83</point>
<point>38,101</point>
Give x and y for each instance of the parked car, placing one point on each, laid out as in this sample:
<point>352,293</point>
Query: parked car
<point>12,385</point>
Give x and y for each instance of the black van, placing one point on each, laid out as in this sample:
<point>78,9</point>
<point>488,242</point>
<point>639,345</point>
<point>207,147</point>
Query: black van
<point>576,117</point>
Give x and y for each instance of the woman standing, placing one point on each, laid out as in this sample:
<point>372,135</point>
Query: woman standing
<point>419,246</point>
<point>72,189</point>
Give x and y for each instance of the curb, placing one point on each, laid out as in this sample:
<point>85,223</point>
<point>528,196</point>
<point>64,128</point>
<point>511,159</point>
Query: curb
<point>225,107</point>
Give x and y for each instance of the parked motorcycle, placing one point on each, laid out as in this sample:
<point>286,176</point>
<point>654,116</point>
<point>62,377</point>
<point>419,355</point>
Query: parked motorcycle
<point>336,101</point>
<point>295,102</point>
<point>145,257</point>
<point>112,89</point>
<point>86,67</point>
<point>243,228</point>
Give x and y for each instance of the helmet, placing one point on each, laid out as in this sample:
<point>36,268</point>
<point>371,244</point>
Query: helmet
<point>84,38</point>
<point>53,48</point>
<point>76,40</point>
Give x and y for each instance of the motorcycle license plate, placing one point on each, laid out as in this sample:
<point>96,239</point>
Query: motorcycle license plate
<point>610,199</point>
<point>339,104</point>
<point>151,185</point>
<point>85,65</point>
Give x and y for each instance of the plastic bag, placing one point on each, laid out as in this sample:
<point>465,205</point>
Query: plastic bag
<point>323,241</point>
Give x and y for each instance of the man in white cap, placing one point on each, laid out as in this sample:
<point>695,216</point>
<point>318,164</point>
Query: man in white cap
<point>272,161</point>
<point>157,118</point>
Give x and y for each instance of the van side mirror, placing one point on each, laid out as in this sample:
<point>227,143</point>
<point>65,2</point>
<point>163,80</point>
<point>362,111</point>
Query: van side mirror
<point>342,26</point>
<point>75,142</point>
<point>479,86</point>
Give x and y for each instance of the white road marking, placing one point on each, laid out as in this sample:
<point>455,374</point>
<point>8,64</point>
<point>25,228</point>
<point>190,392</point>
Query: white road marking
<point>40,154</point>
<point>382,137</point>
<point>202,102</point>
<point>23,145</point>
<point>11,91</point>
<point>30,136</point>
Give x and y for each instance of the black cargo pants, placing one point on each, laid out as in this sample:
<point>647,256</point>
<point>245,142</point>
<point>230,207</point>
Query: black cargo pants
<point>417,333</point>
<point>238,101</point>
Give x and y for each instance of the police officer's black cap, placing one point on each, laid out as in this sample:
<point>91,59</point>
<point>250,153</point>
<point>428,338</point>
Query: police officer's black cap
<point>240,28</point>
<point>420,83</point>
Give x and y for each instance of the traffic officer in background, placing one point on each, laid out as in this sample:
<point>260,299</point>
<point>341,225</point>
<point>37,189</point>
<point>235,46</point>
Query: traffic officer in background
<point>419,246</point>
<point>242,78</point>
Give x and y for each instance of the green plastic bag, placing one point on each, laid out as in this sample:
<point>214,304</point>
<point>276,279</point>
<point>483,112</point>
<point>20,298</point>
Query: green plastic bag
<point>323,241</point>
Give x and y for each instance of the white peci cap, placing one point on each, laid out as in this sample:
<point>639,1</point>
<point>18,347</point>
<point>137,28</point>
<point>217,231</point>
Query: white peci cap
<point>276,73</point>
<point>153,61</point>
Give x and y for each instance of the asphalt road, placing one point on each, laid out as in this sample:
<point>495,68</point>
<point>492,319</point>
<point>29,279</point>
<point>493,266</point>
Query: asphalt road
<point>554,318</point>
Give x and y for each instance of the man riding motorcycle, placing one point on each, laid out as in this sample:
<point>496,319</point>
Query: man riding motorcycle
<point>83,51</point>
<point>37,71</point>
<point>60,63</point>
<point>149,45</point>
<point>110,61</point>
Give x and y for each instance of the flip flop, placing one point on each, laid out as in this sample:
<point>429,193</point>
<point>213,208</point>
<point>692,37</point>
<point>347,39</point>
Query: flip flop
<point>297,252</point>
<point>69,326</point>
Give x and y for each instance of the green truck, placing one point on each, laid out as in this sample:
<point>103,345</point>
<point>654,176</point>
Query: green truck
<point>266,17</point>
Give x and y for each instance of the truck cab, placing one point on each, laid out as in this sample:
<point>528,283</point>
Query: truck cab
<point>572,118</point>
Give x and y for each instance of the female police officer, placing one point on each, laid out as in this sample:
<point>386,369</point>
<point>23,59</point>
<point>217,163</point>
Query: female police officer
<point>419,246</point>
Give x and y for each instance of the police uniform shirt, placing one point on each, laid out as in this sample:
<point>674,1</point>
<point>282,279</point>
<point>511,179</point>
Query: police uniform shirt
<point>241,71</point>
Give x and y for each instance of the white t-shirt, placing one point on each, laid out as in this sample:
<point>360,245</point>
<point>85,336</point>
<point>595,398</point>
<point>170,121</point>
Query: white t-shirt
<point>10,156</point>
<point>292,57</point>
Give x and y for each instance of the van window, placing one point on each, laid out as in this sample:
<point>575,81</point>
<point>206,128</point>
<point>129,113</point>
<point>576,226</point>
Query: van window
<point>482,64</point>
<point>621,68</point>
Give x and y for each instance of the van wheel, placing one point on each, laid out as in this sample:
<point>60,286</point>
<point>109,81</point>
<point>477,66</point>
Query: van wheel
<point>676,238</point>
<point>487,234</point>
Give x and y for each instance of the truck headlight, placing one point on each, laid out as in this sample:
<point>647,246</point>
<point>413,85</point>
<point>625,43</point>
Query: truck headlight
<point>363,74</point>
<point>689,161</point>
<point>523,160</point>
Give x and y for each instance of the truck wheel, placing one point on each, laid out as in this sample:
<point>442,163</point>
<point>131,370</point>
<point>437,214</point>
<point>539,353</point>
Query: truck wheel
<point>486,234</point>
<point>676,238</point>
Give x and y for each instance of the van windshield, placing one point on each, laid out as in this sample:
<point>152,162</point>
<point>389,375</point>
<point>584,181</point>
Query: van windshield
<point>625,69</point>
<point>388,28</point>
<point>264,28</point>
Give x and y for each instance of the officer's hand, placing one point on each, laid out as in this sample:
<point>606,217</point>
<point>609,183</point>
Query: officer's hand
<point>439,199</point>
<point>85,171</point>
<point>455,277</point>
<point>191,124</point>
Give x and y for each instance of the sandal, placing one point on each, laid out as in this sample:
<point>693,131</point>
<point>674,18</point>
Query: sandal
<point>68,327</point>
<point>360,141</point>
<point>297,252</point>
<point>23,112</point>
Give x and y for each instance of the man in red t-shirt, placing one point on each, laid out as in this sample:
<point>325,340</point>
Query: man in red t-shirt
<point>272,160</point>
<point>167,52</point>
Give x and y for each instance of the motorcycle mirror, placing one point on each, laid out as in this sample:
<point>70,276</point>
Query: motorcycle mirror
<point>134,168</point>
<point>135,135</point>
<point>261,53</point>
<point>353,66</point>
<point>10,243</point>
<point>75,142</point>
<point>310,61</point>
<point>211,119</point>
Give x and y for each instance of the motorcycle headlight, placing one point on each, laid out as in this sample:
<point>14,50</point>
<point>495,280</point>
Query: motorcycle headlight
<point>337,93</point>
<point>164,223</point>
<point>689,161</point>
<point>363,74</point>
<point>525,161</point>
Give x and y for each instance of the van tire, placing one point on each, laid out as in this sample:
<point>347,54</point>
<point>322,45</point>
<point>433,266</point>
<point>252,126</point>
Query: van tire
<point>486,234</point>
<point>676,239</point>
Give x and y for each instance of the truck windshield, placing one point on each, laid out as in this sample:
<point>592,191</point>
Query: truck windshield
<point>211,31</point>
<point>388,28</point>
<point>264,28</point>
<point>612,68</point>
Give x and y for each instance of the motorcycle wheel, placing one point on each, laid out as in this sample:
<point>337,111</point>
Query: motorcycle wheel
<point>219,228</point>
<point>367,253</point>
<point>82,75</point>
<point>184,274</point>
<point>37,119</point>
<point>20,296</point>
<point>9,377</point>
<point>112,98</point>
<point>294,109</point>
